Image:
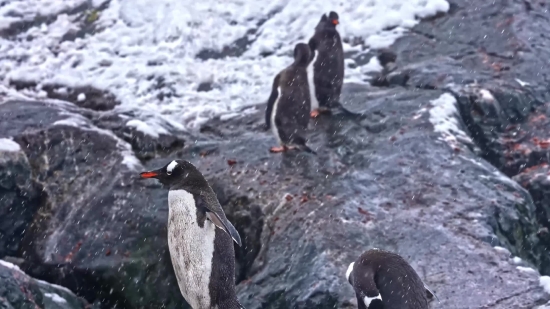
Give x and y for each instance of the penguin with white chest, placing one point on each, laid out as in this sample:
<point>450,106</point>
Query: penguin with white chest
<point>384,280</point>
<point>200,238</point>
<point>288,106</point>
<point>326,67</point>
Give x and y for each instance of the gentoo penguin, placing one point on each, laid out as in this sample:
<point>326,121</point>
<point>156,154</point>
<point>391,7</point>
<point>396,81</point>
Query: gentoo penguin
<point>326,67</point>
<point>383,279</point>
<point>288,106</point>
<point>200,238</point>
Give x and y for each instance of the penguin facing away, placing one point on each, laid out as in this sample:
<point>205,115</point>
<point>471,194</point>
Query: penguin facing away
<point>326,68</point>
<point>288,106</point>
<point>200,238</point>
<point>383,279</point>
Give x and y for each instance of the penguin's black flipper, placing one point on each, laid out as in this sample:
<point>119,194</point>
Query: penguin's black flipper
<point>226,226</point>
<point>218,219</point>
<point>430,294</point>
<point>271,101</point>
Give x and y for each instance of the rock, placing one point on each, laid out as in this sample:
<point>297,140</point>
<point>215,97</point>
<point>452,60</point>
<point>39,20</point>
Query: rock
<point>98,230</point>
<point>145,146</point>
<point>413,194</point>
<point>20,199</point>
<point>19,291</point>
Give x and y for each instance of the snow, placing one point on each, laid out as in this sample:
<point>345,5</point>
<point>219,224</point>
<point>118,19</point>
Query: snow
<point>10,266</point>
<point>516,260</point>
<point>444,117</point>
<point>501,249</point>
<point>487,95</point>
<point>522,83</point>
<point>81,97</point>
<point>528,270</point>
<point>146,49</point>
<point>145,128</point>
<point>56,298</point>
<point>544,282</point>
<point>8,145</point>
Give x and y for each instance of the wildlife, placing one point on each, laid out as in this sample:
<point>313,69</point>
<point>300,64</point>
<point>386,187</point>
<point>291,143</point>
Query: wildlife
<point>200,238</point>
<point>326,67</point>
<point>382,279</point>
<point>288,106</point>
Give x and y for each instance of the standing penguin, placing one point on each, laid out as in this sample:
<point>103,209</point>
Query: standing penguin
<point>326,69</point>
<point>200,238</point>
<point>383,279</point>
<point>288,106</point>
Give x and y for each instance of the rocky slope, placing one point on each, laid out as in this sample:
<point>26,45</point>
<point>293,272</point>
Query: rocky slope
<point>445,163</point>
<point>19,291</point>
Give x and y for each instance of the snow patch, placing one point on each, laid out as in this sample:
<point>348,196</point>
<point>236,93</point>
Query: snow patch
<point>146,129</point>
<point>81,97</point>
<point>501,249</point>
<point>444,117</point>
<point>544,282</point>
<point>56,298</point>
<point>10,266</point>
<point>8,145</point>
<point>486,95</point>
<point>526,270</point>
<point>522,83</point>
<point>516,260</point>
<point>145,51</point>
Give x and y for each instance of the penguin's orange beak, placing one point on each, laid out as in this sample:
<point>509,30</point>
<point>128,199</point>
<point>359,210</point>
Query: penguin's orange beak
<point>149,174</point>
<point>335,22</point>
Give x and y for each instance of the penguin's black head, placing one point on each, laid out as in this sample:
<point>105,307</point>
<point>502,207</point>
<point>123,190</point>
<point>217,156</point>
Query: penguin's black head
<point>333,18</point>
<point>179,173</point>
<point>302,54</point>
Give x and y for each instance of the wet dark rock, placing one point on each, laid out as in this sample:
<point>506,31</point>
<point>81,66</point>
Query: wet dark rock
<point>536,180</point>
<point>87,97</point>
<point>342,203</point>
<point>205,87</point>
<point>98,230</point>
<point>20,199</point>
<point>19,291</point>
<point>145,146</point>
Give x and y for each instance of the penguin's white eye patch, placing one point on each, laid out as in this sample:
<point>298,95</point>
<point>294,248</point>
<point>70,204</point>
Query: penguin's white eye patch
<point>350,269</point>
<point>171,167</point>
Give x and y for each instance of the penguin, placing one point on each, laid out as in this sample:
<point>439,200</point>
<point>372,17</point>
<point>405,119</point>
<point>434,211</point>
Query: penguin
<point>383,279</point>
<point>326,67</point>
<point>200,238</point>
<point>288,106</point>
<point>387,60</point>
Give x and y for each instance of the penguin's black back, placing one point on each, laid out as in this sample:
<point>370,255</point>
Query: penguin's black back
<point>293,101</point>
<point>222,278</point>
<point>328,69</point>
<point>399,285</point>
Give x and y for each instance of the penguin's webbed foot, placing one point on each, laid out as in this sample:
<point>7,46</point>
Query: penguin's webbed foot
<point>276,149</point>
<point>314,113</point>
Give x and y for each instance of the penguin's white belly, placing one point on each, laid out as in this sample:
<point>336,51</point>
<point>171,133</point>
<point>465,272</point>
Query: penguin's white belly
<point>191,249</point>
<point>274,114</point>
<point>311,83</point>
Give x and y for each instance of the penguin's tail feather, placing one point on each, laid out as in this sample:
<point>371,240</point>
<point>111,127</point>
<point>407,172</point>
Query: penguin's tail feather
<point>301,144</point>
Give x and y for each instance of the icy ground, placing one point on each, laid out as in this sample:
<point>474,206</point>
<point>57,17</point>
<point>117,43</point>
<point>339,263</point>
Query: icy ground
<point>152,55</point>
